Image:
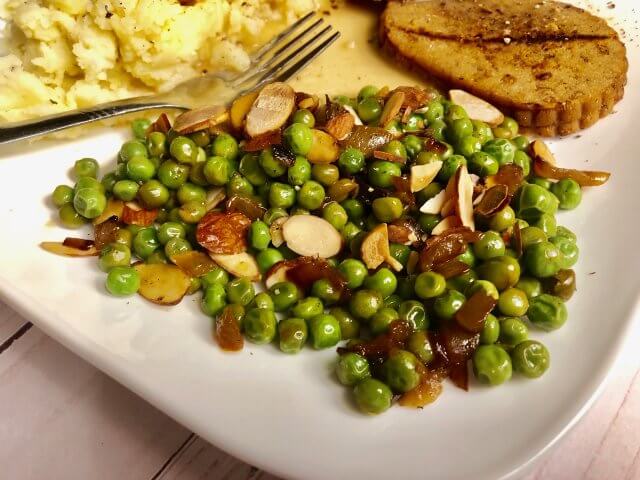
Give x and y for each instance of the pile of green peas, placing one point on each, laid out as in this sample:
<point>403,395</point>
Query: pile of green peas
<point>175,173</point>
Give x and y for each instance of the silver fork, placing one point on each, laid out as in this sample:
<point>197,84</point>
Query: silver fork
<point>281,58</point>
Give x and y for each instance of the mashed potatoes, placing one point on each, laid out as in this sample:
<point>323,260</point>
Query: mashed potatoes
<point>66,54</point>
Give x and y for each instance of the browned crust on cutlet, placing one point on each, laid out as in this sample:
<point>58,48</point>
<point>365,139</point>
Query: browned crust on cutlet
<point>561,117</point>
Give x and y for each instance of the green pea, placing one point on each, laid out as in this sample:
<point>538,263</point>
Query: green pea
<point>541,182</point>
<point>566,233</point>
<point>400,371</point>
<point>157,257</point>
<point>89,182</point>
<point>454,112</point>
<point>547,312</point>
<point>130,149</point>
<point>501,149</point>
<point>304,117</point>
<point>372,396</point>
<point>429,285</point>
<point>139,127</point>
<point>568,249</point>
<point>273,214</point>
<point>145,242</point>
<point>324,290</point>
<point>284,295</point>
<point>568,192</point>
<point>489,246</point>
<point>125,190</point>
<point>462,282</point>
<point>490,331</point>
<point>521,142</point>
<point>62,195</point>
<point>349,326</point>
<point>260,325</point>
<point>354,271</point>
<point>259,236</point>
<point>414,313</point>
<point>351,161</point>
<point>214,299</point>
<point>392,301</point>
<point>492,364</point>
<point>89,203</point>
<point>308,307</point>
<point>542,259</point>
<point>467,257</point>
<point>547,223</point>
<point>299,172</point>
<point>367,91</point>
<point>192,212</point>
<point>218,171</point>
<point>428,221</point>
<point>157,144</point>
<point>189,192</point>
<point>532,235</point>
<point>335,214</point>
<point>114,255</point>
<point>352,368</point>
<point>311,195</point>
<point>510,125</point>
<point>530,358</point>
<point>406,289</point>
<point>86,167</point>
<point>250,168</point>
<point>267,258</point>
<point>108,181</point>
<point>483,164</point>
<point>394,127</point>
<point>369,109</point>
<point>446,305</point>
<point>400,252</point>
<point>217,276</point>
<point>354,208</point>
<point>380,322</point>
<point>513,302</point>
<point>299,138</point>
<point>387,209</point>
<point>450,166</point>
<point>169,230</point>
<point>324,331</point>
<point>396,148</point>
<point>270,165</point>
<point>262,300</point>
<point>412,143</point>
<point>420,346</point>
<point>435,111</point>
<point>522,160</point>
<point>225,146</point>
<point>381,173</point>
<point>240,291</point>
<point>176,246</point>
<point>486,286</point>
<point>365,304</point>
<point>281,195</point>
<point>533,201</point>
<point>196,171</point>
<point>503,272</point>
<point>513,331</point>
<point>123,237</point>
<point>384,281</point>
<point>140,169</point>
<point>153,194</point>
<point>530,286</point>
<point>424,158</point>
<point>173,174</point>
<point>326,174</point>
<point>238,185</point>
<point>482,131</point>
<point>292,334</point>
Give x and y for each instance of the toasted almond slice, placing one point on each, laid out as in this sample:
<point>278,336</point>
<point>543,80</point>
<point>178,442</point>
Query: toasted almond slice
<point>200,119</point>
<point>412,263</point>
<point>275,230</point>
<point>310,103</point>
<point>478,199</point>
<point>356,118</point>
<point>474,178</point>
<point>238,264</point>
<point>539,149</point>
<point>276,274</point>
<point>340,125</point>
<point>271,109</point>
<point>114,208</point>
<point>134,214</point>
<point>215,196</point>
<point>161,283</point>
<point>464,200</point>
<point>476,108</point>
<point>240,108</point>
<point>375,249</point>
<point>311,236</point>
<point>448,208</point>
<point>324,148</point>
<point>391,108</point>
<point>423,175</point>
<point>434,204</point>
<point>445,224</point>
<point>67,251</point>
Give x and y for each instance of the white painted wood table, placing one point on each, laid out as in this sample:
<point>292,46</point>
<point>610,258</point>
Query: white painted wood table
<point>63,419</point>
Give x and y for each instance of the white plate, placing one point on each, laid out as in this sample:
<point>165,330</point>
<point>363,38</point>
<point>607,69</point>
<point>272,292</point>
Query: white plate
<point>286,414</point>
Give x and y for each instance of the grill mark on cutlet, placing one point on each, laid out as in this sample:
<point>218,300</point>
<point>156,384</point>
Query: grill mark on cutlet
<point>526,38</point>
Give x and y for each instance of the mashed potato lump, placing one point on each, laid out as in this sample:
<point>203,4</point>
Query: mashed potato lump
<point>65,54</point>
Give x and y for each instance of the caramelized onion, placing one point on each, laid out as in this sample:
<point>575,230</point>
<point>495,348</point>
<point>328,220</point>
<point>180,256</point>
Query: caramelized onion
<point>194,263</point>
<point>474,311</point>
<point>367,139</point>
<point>517,240</point>
<point>586,178</point>
<point>426,392</point>
<point>78,243</point>
<point>343,189</point>
<point>255,144</point>
<point>105,233</point>
<point>248,206</point>
<point>283,155</point>
<point>304,271</point>
<point>389,157</point>
<point>562,284</point>
<point>510,175</point>
<point>403,190</point>
<point>227,331</point>
<point>452,268</point>
<point>440,250</point>
<point>378,348</point>
<point>494,200</point>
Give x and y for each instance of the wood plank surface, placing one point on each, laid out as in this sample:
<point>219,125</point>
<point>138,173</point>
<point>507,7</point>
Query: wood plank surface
<point>64,419</point>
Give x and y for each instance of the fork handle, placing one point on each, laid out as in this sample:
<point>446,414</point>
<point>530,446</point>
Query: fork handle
<point>13,132</point>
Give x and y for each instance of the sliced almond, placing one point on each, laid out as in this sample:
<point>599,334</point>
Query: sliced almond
<point>324,148</point>
<point>240,108</point>
<point>215,196</point>
<point>134,214</point>
<point>310,102</point>
<point>476,108</point>
<point>311,236</point>
<point>480,197</point>
<point>446,224</point>
<point>539,149</point>
<point>340,125</point>
<point>434,204</point>
<point>423,175</point>
<point>374,250</point>
<point>391,107</point>
<point>68,251</point>
<point>200,119</point>
<point>161,283</point>
<point>271,109</point>
<point>238,264</point>
<point>414,97</point>
<point>276,274</point>
<point>464,201</point>
<point>412,263</point>
<point>114,208</point>
<point>448,208</point>
<point>356,118</point>
<point>275,230</point>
